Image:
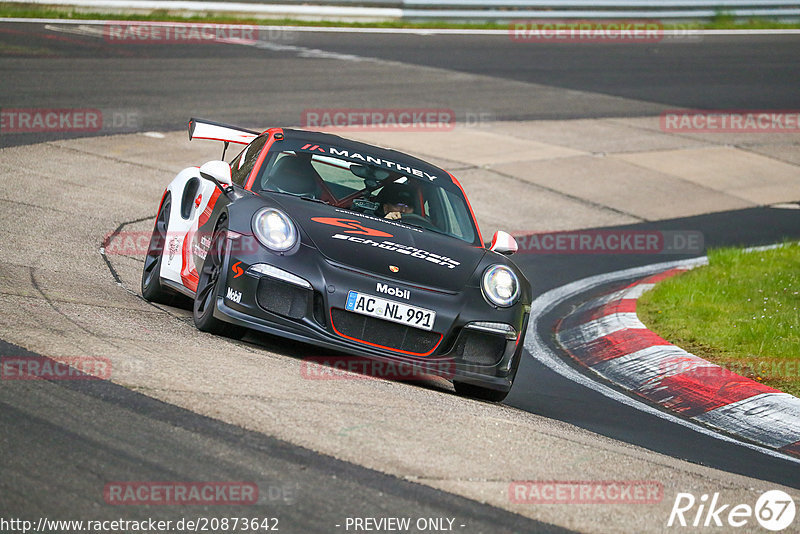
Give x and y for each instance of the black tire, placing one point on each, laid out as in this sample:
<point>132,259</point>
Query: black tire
<point>206,296</point>
<point>152,290</point>
<point>478,392</point>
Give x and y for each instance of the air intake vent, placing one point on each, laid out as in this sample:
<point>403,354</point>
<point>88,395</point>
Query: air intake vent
<point>385,334</point>
<point>282,298</point>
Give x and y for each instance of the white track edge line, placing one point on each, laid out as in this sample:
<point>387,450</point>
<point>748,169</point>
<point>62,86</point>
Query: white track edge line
<point>539,350</point>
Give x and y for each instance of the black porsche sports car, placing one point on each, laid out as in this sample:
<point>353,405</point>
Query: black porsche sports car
<point>345,245</point>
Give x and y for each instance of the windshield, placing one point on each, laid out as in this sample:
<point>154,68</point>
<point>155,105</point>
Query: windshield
<point>369,189</point>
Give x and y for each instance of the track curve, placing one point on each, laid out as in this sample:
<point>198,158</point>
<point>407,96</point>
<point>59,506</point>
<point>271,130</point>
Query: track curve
<point>61,299</point>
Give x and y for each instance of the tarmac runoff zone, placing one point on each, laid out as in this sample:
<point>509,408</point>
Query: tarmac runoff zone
<point>81,190</point>
<point>606,336</point>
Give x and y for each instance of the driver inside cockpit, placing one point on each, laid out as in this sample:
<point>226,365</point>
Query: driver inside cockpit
<point>396,200</point>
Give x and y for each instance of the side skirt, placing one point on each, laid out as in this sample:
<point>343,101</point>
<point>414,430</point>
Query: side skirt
<point>177,287</point>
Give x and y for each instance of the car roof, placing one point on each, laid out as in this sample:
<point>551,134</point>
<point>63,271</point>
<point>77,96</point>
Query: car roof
<point>366,149</point>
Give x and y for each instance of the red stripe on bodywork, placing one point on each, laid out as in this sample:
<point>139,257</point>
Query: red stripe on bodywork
<point>189,274</point>
<point>203,219</point>
<point>382,346</point>
<point>264,150</point>
<point>469,206</point>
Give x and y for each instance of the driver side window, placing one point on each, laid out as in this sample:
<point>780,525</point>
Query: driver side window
<point>243,163</point>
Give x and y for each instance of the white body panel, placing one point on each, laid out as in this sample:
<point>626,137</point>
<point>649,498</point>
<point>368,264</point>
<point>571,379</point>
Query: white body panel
<point>181,233</point>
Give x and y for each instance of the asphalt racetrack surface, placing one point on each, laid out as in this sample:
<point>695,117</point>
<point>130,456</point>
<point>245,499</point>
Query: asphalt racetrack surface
<point>63,440</point>
<point>272,80</point>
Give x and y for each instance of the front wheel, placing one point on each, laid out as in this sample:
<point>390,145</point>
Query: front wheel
<point>206,295</point>
<point>478,392</point>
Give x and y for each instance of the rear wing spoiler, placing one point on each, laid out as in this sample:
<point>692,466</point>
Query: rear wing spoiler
<point>203,129</point>
<point>216,131</point>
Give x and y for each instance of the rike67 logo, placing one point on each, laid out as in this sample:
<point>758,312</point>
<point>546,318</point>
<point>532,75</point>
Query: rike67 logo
<point>774,510</point>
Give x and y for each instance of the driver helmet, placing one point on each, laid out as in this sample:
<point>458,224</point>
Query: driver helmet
<point>397,194</point>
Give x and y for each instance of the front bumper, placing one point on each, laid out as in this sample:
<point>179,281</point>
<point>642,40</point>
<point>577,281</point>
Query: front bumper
<point>463,345</point>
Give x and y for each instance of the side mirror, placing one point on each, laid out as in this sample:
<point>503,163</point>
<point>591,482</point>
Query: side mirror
<point>217,171</point>
<point>503,243</point>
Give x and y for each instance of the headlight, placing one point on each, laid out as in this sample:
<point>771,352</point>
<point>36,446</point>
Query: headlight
<point>274,229</point>
<point>500,285</point>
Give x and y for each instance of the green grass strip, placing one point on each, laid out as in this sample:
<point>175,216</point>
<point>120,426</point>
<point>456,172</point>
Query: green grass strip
<point>741,312</point>
<point>13,10</point>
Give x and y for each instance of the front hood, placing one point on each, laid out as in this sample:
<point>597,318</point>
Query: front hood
<point>381,246</point>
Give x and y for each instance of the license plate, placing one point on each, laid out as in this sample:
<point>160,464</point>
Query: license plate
<point>390,310</point>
